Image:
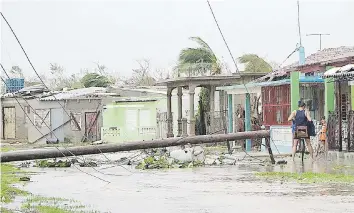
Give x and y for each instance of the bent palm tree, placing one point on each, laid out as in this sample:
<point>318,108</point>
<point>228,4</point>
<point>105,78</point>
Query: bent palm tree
<point>255,63</point>
<point>198,60</point>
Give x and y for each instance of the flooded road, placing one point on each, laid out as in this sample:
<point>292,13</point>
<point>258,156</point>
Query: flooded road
<point>197,190</point>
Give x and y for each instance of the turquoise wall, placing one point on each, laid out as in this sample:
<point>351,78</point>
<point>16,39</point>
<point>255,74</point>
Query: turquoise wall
<point>129,121</point>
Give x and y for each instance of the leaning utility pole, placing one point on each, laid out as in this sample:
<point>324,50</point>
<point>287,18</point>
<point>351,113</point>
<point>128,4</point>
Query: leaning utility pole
<point>33,154</point>
<point>320,35</point>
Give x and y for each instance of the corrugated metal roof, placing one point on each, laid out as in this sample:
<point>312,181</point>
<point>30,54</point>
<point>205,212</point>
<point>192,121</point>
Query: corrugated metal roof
<point>347,70</point>
<point>77,93</point>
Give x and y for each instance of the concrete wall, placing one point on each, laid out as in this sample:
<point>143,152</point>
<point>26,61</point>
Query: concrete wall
<point>129,121</point>
<point>26,131</point>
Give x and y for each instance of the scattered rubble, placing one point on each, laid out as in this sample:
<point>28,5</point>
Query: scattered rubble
<point>53,163</point>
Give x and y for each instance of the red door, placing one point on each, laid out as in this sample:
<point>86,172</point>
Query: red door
<point>91,130</point>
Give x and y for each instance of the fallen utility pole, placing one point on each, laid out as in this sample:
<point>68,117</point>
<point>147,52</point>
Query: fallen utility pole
<point>128,146</point>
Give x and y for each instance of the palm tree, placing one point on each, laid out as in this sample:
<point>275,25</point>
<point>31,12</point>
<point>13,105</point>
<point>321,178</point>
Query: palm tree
<point>198,60</point>
<point>255,63</point>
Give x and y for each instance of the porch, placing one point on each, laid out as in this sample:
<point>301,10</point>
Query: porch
<point>341,117</point>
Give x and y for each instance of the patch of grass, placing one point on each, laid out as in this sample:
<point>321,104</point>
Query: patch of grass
<point>308,177</point>
<point>9,177</point>
<point>7,149</point>
<point>41,204</point>
<point>50,209</point>
<point>4,210</point>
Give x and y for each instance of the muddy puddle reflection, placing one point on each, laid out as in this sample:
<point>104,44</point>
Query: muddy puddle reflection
<point>198,190</point>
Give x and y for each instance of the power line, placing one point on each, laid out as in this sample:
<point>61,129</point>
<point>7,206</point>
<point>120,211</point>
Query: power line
<point>243,82</point>
<point>298,22</point>
<point>43,135</point>
<point>28,59</point>
<point>222,35</point>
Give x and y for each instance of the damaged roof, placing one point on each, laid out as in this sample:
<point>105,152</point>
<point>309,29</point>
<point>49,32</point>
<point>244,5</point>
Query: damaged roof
<point>78,93</point>
<point>325,56</point>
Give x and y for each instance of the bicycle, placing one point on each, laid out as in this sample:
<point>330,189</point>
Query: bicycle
<point>301,148</point>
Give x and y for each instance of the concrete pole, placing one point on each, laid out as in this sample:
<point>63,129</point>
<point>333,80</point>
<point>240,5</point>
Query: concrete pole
<point>248,126</point>
<point>169,113</point>
<point>179,120</point>
<point>212,109</point>
<point>191,110</point>
<point>128,146</point>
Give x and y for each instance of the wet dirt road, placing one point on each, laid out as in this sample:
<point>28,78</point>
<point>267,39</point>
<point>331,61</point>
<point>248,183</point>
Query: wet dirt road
<point>197,190</point>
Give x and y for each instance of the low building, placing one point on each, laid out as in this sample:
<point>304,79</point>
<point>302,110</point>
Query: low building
<point>71,116</point>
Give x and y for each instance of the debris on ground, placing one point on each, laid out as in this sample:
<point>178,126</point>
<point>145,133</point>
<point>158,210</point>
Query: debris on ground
<point>53,163</point>
<point>88,164</point>
<point>282,162</point>
<point>25,178</point>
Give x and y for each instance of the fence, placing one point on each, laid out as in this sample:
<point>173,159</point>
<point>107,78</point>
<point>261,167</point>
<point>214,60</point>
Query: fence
<point>346,142</point>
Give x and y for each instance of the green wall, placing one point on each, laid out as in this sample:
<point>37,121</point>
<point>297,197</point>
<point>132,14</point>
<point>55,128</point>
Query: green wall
<point>329,95</point>
<point>352,95</point>
<point>129,118</point>
<point>295,90</point>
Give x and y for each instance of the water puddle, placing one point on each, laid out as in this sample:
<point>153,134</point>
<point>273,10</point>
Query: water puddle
<point>200,190</point>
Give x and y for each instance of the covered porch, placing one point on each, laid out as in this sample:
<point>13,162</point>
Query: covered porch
<point>191,83</point>
<point>341,116</point>
<point>277,100</point>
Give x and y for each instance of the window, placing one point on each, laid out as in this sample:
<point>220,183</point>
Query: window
<point>42,117</point>
<point>76,117</point>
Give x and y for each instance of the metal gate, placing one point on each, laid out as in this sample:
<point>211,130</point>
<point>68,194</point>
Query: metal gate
<point>9,122</point>
<point>216,122</point>
<point>351,131</point>
<point>332,131</point>
<point>161,124</point>
<point>91,130</point>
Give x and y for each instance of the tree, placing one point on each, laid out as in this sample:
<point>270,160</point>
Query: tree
<point>95,80</point>
<point>16,71</point>
<point>255,63</point>
<point>100,68</point>
<point>199,60</point>
<point>141,76</point>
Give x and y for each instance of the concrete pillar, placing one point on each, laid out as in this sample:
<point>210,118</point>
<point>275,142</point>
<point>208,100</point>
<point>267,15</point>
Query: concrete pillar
<point>230,113</point>
<point>179,119</point>
<point>184,127</point>
<point>191,110</point>
<point>294,90</point>
<point>169,113</point>
<point>301,55</point>
<point>248,126</point>
<point>212,108</point>
<point>329,94</point>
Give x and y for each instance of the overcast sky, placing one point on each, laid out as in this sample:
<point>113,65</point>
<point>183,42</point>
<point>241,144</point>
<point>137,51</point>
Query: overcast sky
<point>75,34</point>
